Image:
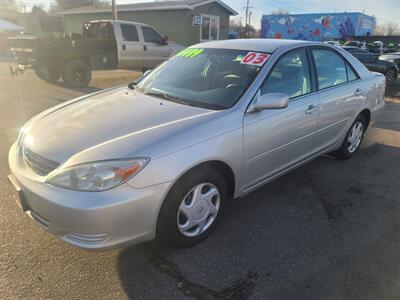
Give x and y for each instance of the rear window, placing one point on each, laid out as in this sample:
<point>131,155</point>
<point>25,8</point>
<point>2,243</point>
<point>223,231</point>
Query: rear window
<point>97,31</point>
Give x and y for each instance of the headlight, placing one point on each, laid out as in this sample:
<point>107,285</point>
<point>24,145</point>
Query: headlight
<point>97,176</point>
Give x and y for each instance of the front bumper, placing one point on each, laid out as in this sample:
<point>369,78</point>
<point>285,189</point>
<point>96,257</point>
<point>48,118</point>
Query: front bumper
<point>90,220</point>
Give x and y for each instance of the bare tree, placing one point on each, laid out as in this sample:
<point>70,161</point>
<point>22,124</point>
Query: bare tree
<point>379,30</point>
<point>280,11</point>
<point>391,28</point>
<point>8,6</point>
<point>235,25</point>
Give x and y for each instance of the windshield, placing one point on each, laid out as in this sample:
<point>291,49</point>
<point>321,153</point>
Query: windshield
<point>209,78</point>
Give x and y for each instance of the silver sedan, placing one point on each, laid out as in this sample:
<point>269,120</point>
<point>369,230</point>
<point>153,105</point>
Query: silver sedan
<point>163,156</point>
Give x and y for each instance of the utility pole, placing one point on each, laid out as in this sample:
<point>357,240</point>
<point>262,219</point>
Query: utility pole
<point>250,13</point>
<point>247,7</point>
<point>114,10</point>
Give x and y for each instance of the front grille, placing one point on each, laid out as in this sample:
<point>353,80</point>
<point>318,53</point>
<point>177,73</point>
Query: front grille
<point>40,165</point>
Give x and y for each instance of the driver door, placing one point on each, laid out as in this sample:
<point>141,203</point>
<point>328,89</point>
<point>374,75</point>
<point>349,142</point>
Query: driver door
<point>277,139</point>
<point>154,52</point>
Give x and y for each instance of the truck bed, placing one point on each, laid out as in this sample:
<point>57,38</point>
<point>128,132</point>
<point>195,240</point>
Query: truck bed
<point>30,51</point>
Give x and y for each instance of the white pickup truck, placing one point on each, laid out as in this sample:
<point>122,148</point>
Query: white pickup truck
<point>103,45</point>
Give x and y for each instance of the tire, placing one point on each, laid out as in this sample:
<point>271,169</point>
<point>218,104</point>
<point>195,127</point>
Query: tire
<point>53,75</point>
<point>391,76</point>
<point>174,226</point>
<point>77,74</point>
<point>48,74</point>
<point>41,72</point>
<point>353,139</point>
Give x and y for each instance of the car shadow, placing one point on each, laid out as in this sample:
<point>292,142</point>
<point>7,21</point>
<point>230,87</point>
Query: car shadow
<point>299,237</point>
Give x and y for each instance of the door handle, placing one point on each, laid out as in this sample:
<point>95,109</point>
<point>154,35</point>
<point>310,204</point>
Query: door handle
<point>145,48</point>
<point>357,92</point>
<point>123,47</point>
<point>311,109</point>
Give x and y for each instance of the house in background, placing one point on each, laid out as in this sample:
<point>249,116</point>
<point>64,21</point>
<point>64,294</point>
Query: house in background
<point>184,21</point>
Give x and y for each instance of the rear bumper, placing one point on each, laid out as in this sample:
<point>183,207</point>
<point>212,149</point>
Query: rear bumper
<point>90,220</point>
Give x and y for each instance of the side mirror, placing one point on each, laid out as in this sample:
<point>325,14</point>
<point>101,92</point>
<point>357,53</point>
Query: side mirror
<point>271,101</point>
<point>163,41</point>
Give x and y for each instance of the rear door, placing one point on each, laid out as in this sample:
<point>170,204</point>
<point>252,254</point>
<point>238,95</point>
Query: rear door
<point>130,49</point>
<point>340,95</point>
<point>277,139</point>
<point>154,50</point>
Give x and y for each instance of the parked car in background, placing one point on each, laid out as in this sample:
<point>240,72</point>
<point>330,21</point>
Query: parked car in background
<point>358,44</point>
<point>333,43</point>
<point>103,45</point>
<point>164,156</point>
<point>392,57</point>
<point>377,47</point>
<point>389,69</point>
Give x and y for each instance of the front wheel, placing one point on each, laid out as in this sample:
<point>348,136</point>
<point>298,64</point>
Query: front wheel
<point>50,74</point>
<point>353,139</point>
<point>192,208</point>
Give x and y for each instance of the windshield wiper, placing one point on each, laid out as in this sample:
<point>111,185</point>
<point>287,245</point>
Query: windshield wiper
<point>166,96</point>
<point>132,85</point>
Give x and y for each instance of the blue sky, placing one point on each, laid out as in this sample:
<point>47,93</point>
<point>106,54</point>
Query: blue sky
<point>384,10</point>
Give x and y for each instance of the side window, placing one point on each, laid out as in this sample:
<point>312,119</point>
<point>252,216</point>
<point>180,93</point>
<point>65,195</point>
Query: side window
<point>331,68</point>
<point>150,35</point>
<point>351,75</point>
<point>290,75</point>
<point>129,33</point>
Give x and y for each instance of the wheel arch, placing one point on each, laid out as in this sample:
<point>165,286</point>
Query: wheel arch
<point>366,113</point>
<point>71,58</point>
<point>222,167</point>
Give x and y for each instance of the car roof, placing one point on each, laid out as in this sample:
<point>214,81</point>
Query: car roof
<point>261,45</point>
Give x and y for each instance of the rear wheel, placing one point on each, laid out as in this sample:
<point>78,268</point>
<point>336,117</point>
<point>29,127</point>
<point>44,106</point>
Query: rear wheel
<point>391,76</point>
<point>77,74</point>
<point>192,208</point>
<point>353,139</point>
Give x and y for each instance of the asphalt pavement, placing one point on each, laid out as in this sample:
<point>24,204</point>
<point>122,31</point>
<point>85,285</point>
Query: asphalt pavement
<point>328,230</point>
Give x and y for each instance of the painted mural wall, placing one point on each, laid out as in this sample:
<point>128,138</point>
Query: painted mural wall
<point>317,27</point>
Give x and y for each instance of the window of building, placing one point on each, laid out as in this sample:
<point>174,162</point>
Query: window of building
<point>209,30</point>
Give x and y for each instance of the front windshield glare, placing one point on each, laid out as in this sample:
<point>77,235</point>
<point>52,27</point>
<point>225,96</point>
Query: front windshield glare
<point>209,78</point>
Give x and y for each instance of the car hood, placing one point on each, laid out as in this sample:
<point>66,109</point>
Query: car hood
<point>117,123</point>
